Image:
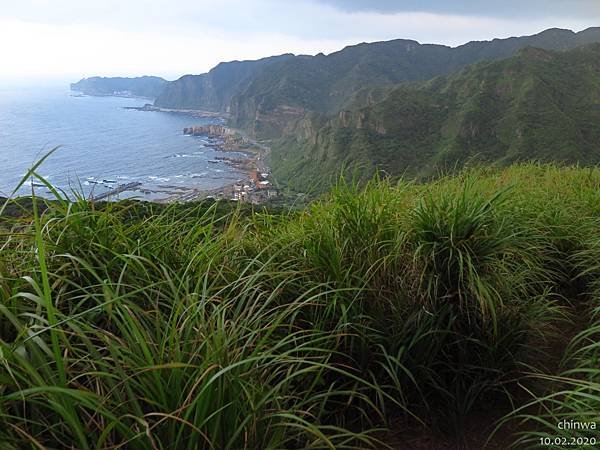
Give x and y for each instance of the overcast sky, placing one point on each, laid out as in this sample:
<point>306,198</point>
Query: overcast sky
<point>76,38</point>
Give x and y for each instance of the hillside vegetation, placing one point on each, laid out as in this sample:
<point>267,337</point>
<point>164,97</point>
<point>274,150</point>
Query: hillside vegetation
<point>538,105</point>
<point>382,307</point>
<point>214,90</point>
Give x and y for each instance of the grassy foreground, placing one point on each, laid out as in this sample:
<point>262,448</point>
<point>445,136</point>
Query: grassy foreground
<point>140,326</point>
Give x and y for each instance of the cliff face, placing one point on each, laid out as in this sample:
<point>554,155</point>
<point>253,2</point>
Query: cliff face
<point>145,86</point>
<point>264,123</point>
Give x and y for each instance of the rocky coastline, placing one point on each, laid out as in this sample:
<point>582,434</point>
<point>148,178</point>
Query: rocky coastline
<point>257,187</point>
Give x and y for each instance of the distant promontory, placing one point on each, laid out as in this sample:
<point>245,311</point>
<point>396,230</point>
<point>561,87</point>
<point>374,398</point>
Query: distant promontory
<point>146,86</point>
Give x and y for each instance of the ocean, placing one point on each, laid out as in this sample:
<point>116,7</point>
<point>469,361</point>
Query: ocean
<point>102,145</point>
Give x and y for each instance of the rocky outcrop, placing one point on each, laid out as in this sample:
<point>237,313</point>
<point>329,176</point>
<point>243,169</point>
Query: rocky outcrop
<point>225,139</point>
<point>359,120</point>
<point>208,130</point>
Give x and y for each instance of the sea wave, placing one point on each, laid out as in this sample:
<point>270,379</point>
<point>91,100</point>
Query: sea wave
<point>158,179</point>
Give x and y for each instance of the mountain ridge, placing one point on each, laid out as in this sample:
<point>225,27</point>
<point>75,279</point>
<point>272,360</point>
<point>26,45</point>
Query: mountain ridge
<point>440,59</point>
<point>324,84</point>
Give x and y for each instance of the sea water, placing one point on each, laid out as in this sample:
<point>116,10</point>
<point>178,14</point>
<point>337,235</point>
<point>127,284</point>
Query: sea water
<point>101,144</point>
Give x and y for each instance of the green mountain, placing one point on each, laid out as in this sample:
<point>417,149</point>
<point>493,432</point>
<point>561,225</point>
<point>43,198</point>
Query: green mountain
<point>213,91</point>
<point>323,84</point>
<point>539,104</point>
<point>139,87</point>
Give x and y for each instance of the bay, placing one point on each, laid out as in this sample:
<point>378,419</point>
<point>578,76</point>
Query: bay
<point>102,144</point>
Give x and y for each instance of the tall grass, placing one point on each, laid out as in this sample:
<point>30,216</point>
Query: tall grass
<point>567,412</point>
<point>132,325</point>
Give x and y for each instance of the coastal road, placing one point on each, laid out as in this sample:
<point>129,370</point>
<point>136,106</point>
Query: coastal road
<point>263,154</point>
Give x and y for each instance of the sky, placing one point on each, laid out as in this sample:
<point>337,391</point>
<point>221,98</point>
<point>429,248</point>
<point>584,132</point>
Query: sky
<point>71,39</point>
